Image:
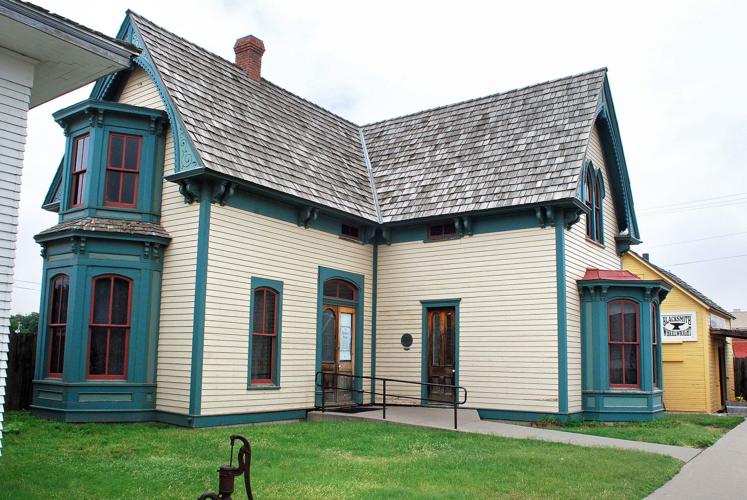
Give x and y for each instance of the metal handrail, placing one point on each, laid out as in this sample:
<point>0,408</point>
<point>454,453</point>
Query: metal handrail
<point>456,391</point>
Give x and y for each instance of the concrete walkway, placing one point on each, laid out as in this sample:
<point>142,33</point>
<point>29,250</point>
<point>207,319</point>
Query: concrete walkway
<point>469,421</point>
<point>718,472</point>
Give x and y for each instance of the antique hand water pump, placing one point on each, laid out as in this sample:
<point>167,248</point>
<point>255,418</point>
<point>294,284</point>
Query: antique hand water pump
<point>227,472</point>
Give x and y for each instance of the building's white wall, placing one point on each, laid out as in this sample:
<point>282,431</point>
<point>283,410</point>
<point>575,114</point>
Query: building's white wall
<point>16,80</point>
<point>508,350</point>
<point>581,254</point>
<point>243,244</point>
<point>179,268</point>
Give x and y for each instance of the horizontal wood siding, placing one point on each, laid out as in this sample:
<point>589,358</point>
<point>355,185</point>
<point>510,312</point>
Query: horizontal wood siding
<point>16,79</point>
<point>179,261</point>
<point>508,314</point>
<point>244,244</point>
<point>581,254</point>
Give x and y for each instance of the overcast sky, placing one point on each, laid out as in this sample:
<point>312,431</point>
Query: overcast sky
<point>677,72</point>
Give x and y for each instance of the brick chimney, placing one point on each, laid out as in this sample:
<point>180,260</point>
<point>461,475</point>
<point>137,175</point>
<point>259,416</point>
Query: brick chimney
<point>249,52</point>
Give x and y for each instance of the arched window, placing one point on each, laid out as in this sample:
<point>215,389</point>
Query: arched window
<point>624,344</point>
<point>264,335</point>
<point>655,341</point>
<point>109,330</point>
<point>598,210</point>
<point>57,325</point>
<point>339,289</point>
<point>122,170</point>
<point>588,201</point>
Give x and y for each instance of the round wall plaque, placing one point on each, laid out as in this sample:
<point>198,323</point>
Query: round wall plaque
<point>406,340</point>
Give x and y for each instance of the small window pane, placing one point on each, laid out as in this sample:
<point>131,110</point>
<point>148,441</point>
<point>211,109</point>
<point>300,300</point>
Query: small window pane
<point>269,316</point>
<point>128,188</point>
<point>631,364</point>
<point>328,336</point>
<point>113,180</point>
<point>437,230</point>
<point>259,307</point>
<point>97,359</point>
<point>57,353</point>
<point>330,288</point>
<point>448,361</point>
<point>120,304</point>
<point>115,151</point>
<point>616,364</point>
<point>346,292</point>
<point>101,294</point>
<point>630,326</point>
<point>262,357</point>
<point>62,308</point>
<point>117,340</point>
<point>131,153</point>
<point>615,321</point>
<point>346,336</point>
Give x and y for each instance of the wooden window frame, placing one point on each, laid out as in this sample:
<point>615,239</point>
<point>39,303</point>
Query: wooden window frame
<point>273,334</point>
<point>339,282</point>
<point>598,222</point>
<point>589,202</point>
<point>78,175</point>
<point>122,170</point>
<point>54,323</point>
<point>625,344</point>
<point>127,327</point>
<point>444,235</point>
<point>356,237</point>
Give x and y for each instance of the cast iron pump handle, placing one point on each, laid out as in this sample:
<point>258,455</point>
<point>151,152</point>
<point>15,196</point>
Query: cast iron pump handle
<point>227,473</point>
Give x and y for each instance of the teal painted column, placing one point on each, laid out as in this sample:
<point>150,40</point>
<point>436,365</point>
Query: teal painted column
<point>374,293</point>
<point>647,361</point>
<point>601,345</point>
<point>198,327</point>
<point>562,313</point>
<point>76,339</point>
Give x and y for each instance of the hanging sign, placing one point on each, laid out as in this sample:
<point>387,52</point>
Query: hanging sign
<point>679,327</point>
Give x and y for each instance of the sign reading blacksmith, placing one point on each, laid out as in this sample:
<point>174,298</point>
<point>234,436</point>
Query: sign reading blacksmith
<point>679,327</point>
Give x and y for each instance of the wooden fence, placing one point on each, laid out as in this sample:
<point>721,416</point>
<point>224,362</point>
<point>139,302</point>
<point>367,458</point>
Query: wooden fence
<point>21,361</point>
<point>740,377</point>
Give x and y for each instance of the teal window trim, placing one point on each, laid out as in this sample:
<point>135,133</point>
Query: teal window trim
<point>326,273</point>
<point>596,197</point>
<point>562,311</point>
<point>436,304</point>
<point>276,286</point>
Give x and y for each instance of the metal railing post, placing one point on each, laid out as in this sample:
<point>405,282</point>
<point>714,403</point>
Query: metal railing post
<point>454,392</point>
<point>383,383</point>
<point>323,408</point>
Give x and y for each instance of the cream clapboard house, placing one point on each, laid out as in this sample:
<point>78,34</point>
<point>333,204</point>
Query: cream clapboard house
<point>222,241</point>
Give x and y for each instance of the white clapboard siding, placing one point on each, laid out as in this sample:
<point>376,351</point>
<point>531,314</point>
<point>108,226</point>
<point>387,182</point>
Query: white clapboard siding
<point>178,286</point>
<point>243,244</point>
<point>506,281</point>
<point>16,80</point>
<point>580,255</point>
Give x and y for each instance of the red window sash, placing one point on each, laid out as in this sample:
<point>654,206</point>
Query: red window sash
<point>109,326</point>
<point>338,284</point>
<point>54,325</point>
<point>448,230</point>
<point>122,171</point>
<point>626,345</point>
<point>272,334</point>
<point>78,175</point>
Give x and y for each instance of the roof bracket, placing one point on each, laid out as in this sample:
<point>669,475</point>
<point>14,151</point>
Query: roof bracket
<point>307,215</point>
<point>190,190</point>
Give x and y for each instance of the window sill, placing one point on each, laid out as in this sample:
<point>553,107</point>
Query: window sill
<point>595,242</point>
<point>436,240</point>
<point>262,387</point>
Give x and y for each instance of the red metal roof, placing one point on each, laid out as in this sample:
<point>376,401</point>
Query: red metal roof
<point>609,274</point>
<point>740,348</point>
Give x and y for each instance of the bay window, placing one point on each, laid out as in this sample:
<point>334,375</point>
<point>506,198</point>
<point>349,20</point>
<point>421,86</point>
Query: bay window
<point>122,170</point>
<point>109,327</point>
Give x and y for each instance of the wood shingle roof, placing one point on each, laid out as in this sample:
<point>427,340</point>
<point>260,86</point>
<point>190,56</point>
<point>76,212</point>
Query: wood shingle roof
<point>520,147</point>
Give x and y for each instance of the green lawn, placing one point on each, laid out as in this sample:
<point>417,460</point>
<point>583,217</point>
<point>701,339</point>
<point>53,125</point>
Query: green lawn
<point>43,459</point>
<point>697,431</point>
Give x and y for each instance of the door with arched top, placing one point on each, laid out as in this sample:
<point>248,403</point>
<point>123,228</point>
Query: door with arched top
<point>338,341</point>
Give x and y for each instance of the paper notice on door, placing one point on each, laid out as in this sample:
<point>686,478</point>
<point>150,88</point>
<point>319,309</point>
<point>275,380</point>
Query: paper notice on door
<point>346,336</point>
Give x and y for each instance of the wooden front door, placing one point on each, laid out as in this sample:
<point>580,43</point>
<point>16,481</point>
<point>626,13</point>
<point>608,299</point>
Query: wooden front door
<point>441,342</point>
<point>338,334</point>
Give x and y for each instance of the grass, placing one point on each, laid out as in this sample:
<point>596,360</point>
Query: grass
<point>697,431</point>
<point>44,459</point>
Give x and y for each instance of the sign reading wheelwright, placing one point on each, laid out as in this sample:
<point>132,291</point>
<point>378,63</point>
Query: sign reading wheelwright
<point>679,327</point>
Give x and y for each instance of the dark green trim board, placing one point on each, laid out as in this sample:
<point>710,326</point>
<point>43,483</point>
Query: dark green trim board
<point>231,419</point>
<point>374,292</point>
<point>198,327</point>
<point>562,315</point>
<point>436,304</point>
<point>526,416</point>
<point>277,286</point>
<point>326,273</point>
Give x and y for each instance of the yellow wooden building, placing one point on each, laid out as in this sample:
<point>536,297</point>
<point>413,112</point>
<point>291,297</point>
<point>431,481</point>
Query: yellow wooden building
<point>697,362</point>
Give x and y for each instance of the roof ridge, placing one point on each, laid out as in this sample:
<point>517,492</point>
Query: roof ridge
<point>371,177</point>
<point>496,94</point>
<point>234,65</point>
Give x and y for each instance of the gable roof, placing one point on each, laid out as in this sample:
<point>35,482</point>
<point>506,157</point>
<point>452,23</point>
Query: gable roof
<point>518,148</point>
<point>679,282</point>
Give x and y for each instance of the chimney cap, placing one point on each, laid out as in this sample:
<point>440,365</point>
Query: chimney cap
<point>646,256</point>
<point>250,42</point>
